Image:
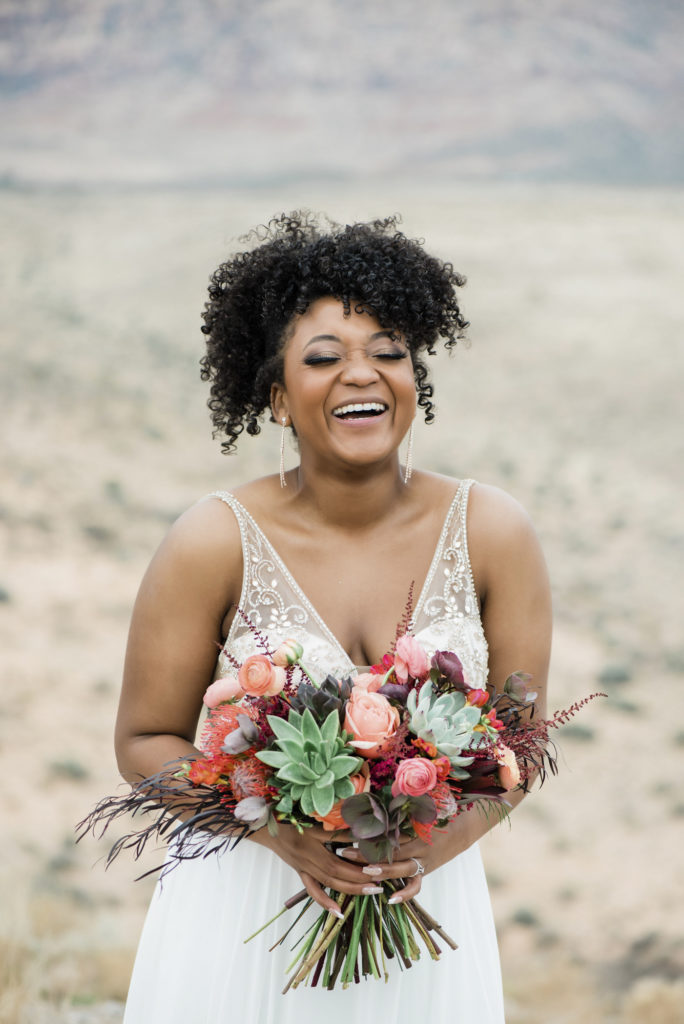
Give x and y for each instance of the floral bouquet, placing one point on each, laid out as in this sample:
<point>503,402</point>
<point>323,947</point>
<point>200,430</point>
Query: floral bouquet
<point>398,751</point>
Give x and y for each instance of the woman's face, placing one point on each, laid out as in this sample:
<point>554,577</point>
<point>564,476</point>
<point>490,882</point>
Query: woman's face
<point>348,387</point>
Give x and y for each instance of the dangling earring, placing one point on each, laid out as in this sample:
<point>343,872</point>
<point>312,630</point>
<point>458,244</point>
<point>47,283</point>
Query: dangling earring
<point>283,481</point>
<point>408,470</point>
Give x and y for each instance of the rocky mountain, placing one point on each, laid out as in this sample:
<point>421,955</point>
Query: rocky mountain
<point>253,93</point>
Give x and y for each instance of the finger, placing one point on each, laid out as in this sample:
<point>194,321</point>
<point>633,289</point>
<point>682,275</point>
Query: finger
<point>411,889</point>
<point>397,869</point>
<point>319,895</point>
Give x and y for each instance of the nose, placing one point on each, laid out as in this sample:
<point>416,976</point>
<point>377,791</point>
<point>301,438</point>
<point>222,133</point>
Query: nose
<point>359,370</point>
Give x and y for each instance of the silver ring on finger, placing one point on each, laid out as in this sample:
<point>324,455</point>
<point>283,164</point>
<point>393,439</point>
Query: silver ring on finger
<point>420,868</point>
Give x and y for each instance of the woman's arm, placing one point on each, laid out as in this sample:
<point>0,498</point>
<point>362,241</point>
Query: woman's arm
<point>513,588</point>
<point>175,635</point>
<point>174,639</point>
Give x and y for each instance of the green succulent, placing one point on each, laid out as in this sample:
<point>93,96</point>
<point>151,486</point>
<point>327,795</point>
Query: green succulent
<point>313,764</point>
<point>321,700</point>
<point>447,722</point>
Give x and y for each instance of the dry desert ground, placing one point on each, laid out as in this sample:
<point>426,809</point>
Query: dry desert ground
<point>569,397</point>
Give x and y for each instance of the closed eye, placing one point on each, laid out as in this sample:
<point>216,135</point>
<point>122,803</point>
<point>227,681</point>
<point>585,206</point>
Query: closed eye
<point>392,355</point>
<point>320,360</point>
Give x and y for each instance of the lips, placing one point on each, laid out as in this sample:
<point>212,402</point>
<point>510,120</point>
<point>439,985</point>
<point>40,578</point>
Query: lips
<point>360,410</point>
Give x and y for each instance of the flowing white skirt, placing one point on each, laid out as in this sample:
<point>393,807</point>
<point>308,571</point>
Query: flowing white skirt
<point>193,967</point>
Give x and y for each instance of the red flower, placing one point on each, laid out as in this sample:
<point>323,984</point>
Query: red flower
<point>478,698</point>
<point>493,720</point>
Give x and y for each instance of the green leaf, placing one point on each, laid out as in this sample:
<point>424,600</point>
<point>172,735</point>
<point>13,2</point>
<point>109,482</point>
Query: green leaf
<point>306,801</point>
<point>293,748</point>
<point>286,730</point>
<point>368,827</point>
<point>323,799</point>
<point>355,807</point>
<point>274,758</point>
<point>310,731</point>
<point>344,788</point>
<point>319,764</point>
<point>331,728</point>
<point>298,773</point>
<point>325,779</point>
<point>422,809</point>
<point>342,766</point>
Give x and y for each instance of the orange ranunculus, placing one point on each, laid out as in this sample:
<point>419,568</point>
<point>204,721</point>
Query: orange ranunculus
<point>371,720</point>
<point>259,677</point>
<point>333,820</point>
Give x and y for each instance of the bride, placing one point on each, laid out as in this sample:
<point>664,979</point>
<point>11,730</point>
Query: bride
<point>327,329</point>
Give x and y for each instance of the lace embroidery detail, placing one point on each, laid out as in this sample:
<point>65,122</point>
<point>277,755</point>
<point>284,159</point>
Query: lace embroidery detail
<point>449,602</point>
<point>446,616</point>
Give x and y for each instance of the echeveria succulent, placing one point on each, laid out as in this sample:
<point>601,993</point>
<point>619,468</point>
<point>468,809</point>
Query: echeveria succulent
<point>446,721</point>
<point>313,764</point>
<point>331,695</point>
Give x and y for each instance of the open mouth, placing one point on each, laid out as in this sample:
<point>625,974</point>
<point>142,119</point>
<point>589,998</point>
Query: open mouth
<point>359,410</point>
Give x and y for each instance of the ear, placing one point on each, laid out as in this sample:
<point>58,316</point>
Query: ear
<point>279,406</point>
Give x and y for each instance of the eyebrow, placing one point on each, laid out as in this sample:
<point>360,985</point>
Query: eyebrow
<point>387,333</point>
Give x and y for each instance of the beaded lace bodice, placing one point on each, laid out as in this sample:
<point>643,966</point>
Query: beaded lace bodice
<point>446,616</point>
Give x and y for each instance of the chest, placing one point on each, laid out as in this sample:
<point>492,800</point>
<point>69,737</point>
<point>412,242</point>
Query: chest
<point>361,587</point>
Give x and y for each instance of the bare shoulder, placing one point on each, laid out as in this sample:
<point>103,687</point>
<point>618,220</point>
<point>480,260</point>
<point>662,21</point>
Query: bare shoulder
<point>202,550</point>
<point>501,536</point>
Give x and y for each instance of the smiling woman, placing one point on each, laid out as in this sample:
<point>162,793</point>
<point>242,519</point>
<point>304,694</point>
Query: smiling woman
<point>327,331</point>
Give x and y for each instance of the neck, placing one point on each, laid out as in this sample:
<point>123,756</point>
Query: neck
<point>353,501</point>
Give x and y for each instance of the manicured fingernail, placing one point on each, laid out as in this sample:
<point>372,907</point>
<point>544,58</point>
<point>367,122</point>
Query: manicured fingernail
<point>371,870</point>
<point>394,899</point>
<point>348,852</point>
<point>337,912</point>
<point>371,890</point>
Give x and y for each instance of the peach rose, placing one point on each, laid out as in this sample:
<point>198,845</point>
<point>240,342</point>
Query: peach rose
<point>368,681</point>
<point>334,820</point>
<point>414,777</point>
<point>410,659</point>
<point>226,688</point>
<point>259,677</point>
<point>509,770</point>
<point>371,720</point>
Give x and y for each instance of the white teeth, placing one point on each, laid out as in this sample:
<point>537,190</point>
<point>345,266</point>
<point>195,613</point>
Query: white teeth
<point>360,407</point>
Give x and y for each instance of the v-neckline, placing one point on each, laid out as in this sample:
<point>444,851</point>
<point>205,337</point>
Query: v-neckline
<point>311,608</point>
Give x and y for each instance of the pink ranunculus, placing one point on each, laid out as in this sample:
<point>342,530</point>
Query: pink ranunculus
<point>410,659</point>
<point>509,770</point>
<point>371,720</point>
<point>289,653</point>
<point>368,681</point>
<point>333,820</point>
<point>226,688</point>
<point>259,677</point>
<point>415,776</point>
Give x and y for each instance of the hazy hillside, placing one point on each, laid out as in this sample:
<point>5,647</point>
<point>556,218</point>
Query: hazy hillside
<point>243,93</point>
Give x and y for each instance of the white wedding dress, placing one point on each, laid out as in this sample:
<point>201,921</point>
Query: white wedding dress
<point>192,965</point>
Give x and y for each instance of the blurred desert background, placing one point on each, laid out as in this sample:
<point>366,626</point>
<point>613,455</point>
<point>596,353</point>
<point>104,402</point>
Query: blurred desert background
<point>568,395</point>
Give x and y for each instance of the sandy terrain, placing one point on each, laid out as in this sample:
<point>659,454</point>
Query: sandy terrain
<point>569,397</point>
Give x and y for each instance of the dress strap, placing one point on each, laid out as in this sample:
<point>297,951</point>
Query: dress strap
<point>450,588</point>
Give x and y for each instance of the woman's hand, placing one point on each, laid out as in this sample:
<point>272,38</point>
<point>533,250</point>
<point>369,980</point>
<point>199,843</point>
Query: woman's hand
<point>316,865</point>
<point>447,843</point>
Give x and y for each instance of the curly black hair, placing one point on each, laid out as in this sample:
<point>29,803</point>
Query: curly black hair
<point>254,296</point>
